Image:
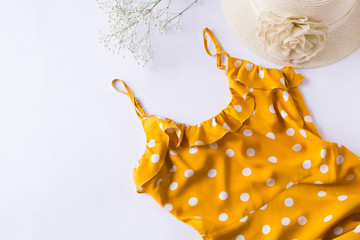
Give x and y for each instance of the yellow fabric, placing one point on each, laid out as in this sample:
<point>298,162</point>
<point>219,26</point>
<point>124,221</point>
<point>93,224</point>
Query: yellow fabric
<point>257,170</point>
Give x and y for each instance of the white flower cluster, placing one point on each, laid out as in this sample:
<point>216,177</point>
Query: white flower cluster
<point>131,23</point>
<point>291,39</point>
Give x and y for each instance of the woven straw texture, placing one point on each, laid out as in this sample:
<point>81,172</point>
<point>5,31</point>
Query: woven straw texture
<point>341,41</point>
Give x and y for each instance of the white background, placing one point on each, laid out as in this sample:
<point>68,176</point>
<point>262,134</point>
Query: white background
<point>68,141</point>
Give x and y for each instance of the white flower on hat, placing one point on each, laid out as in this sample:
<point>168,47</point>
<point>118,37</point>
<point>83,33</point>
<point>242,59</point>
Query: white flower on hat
<point>291,39</point>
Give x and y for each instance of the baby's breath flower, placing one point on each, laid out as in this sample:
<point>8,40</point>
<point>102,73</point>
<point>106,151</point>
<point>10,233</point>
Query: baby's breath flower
<point>130,24</point>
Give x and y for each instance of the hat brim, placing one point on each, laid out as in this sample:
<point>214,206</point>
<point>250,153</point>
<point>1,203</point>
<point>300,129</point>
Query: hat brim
<point>341,42</point>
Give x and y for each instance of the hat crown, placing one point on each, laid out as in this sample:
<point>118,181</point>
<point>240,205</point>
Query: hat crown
<point>326,11</point>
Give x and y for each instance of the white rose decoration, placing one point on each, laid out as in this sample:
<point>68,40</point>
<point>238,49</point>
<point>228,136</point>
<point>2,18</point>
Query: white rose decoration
<point>291,39</point>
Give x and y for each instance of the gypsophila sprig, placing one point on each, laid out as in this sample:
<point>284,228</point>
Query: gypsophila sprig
<point>131,23</point>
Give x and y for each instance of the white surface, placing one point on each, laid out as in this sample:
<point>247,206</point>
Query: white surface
<point>68,141</point>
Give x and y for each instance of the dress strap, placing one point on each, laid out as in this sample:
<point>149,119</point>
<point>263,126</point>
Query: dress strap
<point>217,47</point>
<point>139,110</point>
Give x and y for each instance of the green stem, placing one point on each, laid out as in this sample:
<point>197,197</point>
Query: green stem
<point>180,13</point>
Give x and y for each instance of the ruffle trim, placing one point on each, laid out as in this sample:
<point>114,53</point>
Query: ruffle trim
<point>230,119</point>
<point>154,156</point>
<point>256,76</point>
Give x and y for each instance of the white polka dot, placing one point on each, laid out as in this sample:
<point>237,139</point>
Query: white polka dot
<point>323,153</point>
<point>261,74</point>
<point>270,135</point>
<point>198,142</point>
<point>213,122</point>
<point>223,195</point>
<point>327,218</point>
<point>193,201</point>
<point>357,229</point>
<point>324,168</point>
<point>223,217</point>
<point>338,230</point>
<point>285,221</point>
<point>302,220</point>
<point>263,207</point>
<point>168,207</point>
<point>212,173</point>
<point>250,152</point>
<point>308,118</point>
<point>244,219</point>
<point>350,177</point>
<point>270,182</point>
<point>226,126</point>
<point>266,229</point>
<point>283,113</point>
<point>282,80</point>
<point>213,145</point>
<point>318,182</point>
<point>197,217</point>
<point>173,186</point>
<point>271,108</point>
<point>155,158</point>
<point>286,95</point>
<point>244,197</point>
<point>246,172</point>
<point>240,237</point>
<point>306,164</point>
<point>339,159</point>
<point>251,89</point>
<point>296,147</point>
<point>322,194</point>
<point>193,149</point>
<point>173,168</point>
<point>342,197</point>
<point>302,132</point>
<point>151,143</point>
<point>173,152</point>
<point>252,212</point>
<point>272,159</point>
<point>247,132</point>
<point>289,185</point>
<point>189,173</point>
<point>230,153</point>
<point>249,66</point>
<point>238,108</point>
<point>159,181</point>
<point>238,63</point>
<point>289,202</point>
<point>290,131</point>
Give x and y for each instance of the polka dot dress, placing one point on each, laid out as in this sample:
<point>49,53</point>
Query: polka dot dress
<point>257,170</point>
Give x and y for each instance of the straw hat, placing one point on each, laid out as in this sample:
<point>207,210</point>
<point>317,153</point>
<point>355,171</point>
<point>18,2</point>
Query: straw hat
<point>302,33</point>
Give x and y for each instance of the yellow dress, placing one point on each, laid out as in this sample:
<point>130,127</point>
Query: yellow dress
<point>258,170</point>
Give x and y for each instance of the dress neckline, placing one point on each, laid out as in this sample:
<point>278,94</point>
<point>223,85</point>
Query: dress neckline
<point>238,110</point>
